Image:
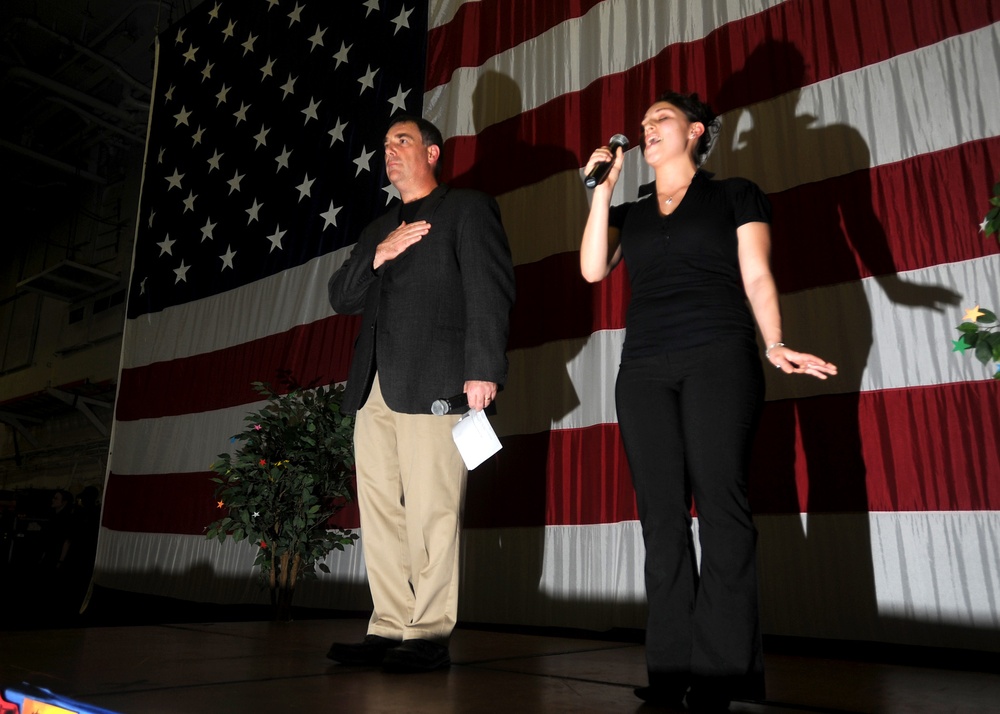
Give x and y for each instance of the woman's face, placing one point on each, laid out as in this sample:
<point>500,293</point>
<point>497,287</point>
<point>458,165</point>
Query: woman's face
<point>666,133</point>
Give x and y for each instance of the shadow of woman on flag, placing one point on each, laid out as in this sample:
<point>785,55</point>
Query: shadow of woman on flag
<point>811,488</point>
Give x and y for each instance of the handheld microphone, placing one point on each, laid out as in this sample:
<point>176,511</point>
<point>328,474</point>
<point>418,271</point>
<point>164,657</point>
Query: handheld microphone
<point>601,170</point>
<point>450,405</point>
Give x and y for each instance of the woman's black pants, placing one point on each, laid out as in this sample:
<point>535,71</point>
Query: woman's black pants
<point>688,419</point>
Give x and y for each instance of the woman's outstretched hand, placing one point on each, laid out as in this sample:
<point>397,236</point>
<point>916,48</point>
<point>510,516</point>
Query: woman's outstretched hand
<point>791,362</point>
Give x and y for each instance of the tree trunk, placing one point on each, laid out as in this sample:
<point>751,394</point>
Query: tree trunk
<point>283,587</point>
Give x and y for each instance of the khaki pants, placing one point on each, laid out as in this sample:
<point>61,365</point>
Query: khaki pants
<point>411,491</point>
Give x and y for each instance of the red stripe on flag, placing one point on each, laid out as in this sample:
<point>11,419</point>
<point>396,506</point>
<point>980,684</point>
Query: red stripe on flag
<point>160,503</point>
<point>185,503</point>
<point>508,490</point>
<point>590,481</point>
<point>505,491</point>
<point>884,220</point>
<point>877,451</point>
<point>554,302</point>
<point>311,355</point>
<point>500,25</point>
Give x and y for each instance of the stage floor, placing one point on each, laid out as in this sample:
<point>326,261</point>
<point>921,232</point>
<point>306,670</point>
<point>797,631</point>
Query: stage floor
<point>251,667</point>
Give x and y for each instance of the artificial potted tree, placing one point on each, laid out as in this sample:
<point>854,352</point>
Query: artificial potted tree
<point>291,474</point>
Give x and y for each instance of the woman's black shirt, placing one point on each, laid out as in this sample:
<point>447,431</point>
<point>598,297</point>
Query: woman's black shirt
<point>684,268</point>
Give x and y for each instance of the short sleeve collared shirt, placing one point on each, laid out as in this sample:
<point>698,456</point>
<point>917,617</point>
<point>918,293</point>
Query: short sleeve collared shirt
<point>684,269</point>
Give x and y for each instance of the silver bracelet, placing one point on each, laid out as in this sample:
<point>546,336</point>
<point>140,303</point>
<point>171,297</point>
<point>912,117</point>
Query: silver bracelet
<point>767,352</point>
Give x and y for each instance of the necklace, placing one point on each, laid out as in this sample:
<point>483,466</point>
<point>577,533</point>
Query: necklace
<point>670,199</point>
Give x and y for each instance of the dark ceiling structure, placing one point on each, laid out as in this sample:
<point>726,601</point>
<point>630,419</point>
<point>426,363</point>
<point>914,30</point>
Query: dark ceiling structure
<point>76,80</point>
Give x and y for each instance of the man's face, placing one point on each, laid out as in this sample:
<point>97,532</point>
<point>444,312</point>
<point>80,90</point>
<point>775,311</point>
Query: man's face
<point>407,159</point>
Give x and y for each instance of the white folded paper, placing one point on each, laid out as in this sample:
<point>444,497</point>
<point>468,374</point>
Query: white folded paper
<point>475,438</point>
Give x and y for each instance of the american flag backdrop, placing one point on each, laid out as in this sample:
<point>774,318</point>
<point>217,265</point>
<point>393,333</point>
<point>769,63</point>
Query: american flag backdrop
<point>872,126</point>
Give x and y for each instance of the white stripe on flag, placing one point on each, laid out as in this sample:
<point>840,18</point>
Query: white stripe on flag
<point>219,321</point>
<point>557,576</point>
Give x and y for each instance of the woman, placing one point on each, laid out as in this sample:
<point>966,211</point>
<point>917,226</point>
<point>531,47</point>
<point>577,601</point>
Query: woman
<point>689,393</point>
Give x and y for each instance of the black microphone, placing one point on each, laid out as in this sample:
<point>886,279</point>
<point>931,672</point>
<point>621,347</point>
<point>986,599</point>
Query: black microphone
<point>600,171</point>
<point>460,402</point>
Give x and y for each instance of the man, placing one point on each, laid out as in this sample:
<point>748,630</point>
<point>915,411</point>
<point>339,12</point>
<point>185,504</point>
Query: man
<point>434,282</point>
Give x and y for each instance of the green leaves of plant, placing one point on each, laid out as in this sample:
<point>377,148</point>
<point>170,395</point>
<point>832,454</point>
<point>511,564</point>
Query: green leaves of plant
<point>982,338</point>
<point>991,224</point>
<point>291,474</point>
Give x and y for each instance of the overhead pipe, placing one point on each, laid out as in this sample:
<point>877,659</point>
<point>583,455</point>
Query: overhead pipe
<point>69,92</point>
<point>82,49</point>
<point>137,105</point>
<point>62,165</point>
<point>97,120</point>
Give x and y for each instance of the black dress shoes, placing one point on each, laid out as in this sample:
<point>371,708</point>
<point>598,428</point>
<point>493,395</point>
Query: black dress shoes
<point>661,697</point>
<point>370,651</point>
<point>704,700</point>
<point>417,656</point>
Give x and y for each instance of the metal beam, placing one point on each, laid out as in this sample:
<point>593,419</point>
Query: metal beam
<point>83,404</point>
<point>14,421</point>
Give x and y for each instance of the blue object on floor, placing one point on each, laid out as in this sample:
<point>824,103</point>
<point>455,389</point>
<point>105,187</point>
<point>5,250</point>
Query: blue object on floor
<point>27,698</point>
